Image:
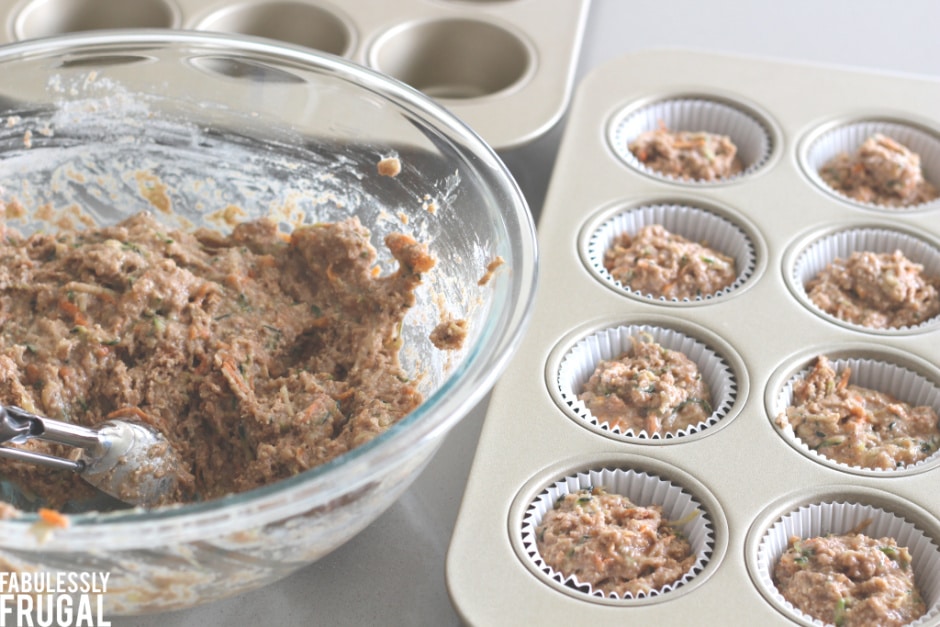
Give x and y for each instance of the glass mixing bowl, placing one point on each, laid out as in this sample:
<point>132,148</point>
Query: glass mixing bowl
<point>216,122</point>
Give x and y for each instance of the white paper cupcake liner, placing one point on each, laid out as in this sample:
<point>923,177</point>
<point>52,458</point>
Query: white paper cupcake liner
<point>642,489</point>
<point>837,518</point>
<point>813,259</point>
<point>882,376</point>
<point>750,135</point>
<point>582,359</point>
<point>692,223</point>
<point>847,138</point>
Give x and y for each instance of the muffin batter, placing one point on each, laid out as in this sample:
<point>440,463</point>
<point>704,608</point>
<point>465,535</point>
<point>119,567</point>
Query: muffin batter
<point>258,354</point>
<point>666,265</point>
<point>694,155</point>
<point>649,388</point>
<point>881,172</point>
<point>850,580</point>
<point>877,290</point>
<point>619,548</point>
<point>858,426</point>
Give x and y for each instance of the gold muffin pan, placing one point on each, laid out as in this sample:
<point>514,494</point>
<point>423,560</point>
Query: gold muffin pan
<point>750,478</point>
<point>505,67</point>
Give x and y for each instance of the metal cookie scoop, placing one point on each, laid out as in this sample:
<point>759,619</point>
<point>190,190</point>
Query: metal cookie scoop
<point>128,460</point>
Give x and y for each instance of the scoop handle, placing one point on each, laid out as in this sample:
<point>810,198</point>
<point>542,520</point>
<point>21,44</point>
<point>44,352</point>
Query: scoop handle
<point>14,427</point>
<point>58,463</point>
<point>22,425</point>
<point>18,425</point>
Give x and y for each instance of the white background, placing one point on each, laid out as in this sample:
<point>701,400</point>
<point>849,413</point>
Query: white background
<point>393,573</point>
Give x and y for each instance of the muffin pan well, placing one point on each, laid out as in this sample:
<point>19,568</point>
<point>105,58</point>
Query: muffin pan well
<point>506,67</point>
<point>754,482</point>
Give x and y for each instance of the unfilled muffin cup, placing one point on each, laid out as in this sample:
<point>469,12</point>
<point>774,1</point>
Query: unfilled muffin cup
<point>311,24</point>
<point>846,138</point>
<point>580,361</point>
<point>46,18</point>
<point>691,222</point>
<point>642,489</point>
<point>875,373</point>
<point>748,131</point>
<point>804,264</point>
<point>838,517</point>
<point>455,59</point>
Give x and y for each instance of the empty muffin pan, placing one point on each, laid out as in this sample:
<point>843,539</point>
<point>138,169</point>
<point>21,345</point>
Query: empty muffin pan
<point>505,67</point>
<point>737,485</point>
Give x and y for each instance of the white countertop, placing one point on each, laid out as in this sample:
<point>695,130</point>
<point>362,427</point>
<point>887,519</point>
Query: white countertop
<point>393,572</point>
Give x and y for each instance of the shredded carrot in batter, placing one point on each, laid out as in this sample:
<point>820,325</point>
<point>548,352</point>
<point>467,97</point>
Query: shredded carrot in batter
<point>125,412</point>
<point>53,518</point>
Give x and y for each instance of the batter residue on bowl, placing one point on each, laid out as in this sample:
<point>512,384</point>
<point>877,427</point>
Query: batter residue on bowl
<point>258,354</point>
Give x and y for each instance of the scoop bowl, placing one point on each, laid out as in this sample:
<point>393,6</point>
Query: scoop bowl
<point>133,463</point>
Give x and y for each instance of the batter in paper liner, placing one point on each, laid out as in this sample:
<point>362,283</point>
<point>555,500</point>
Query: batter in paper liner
<point>850,580</point>
<point>695,155</point>
<point>649,388</point>
<point>858,426</point>
<point>881,172</point>
<point>876,290</point>
<point>616,546</point>
<point>667,265</point>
